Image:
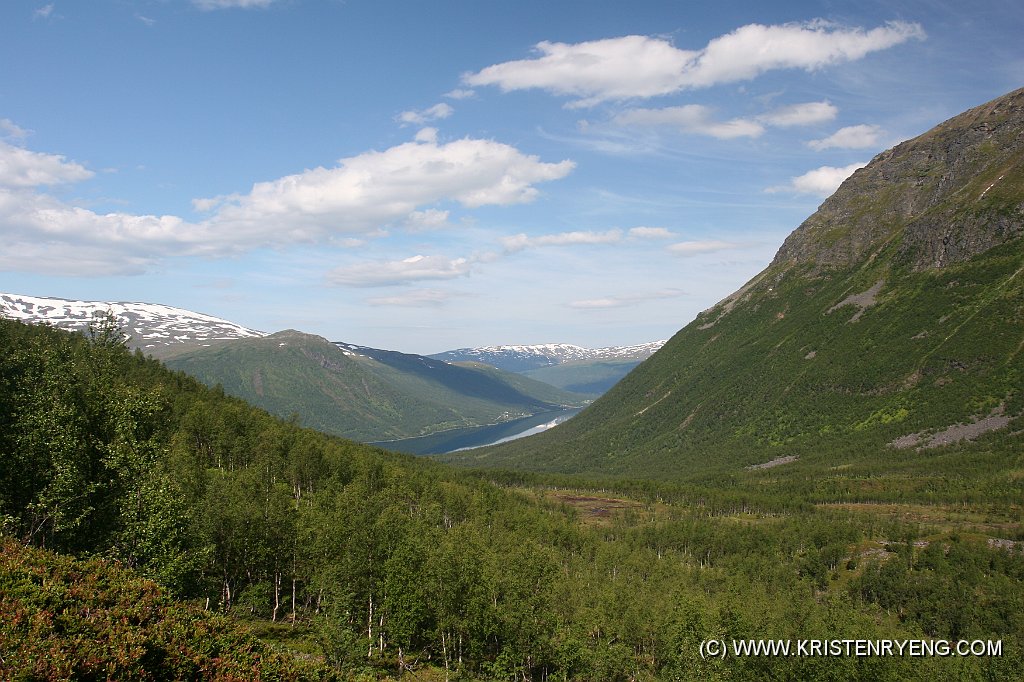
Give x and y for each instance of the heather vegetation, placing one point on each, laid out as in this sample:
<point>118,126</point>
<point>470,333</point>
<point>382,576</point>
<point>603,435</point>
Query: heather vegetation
<point>353,561</point>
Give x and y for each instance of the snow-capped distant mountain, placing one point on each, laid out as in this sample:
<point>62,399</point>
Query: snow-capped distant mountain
<point>525,358</point>
<point>152,327</point>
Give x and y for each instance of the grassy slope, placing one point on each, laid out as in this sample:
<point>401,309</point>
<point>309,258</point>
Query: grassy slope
<point>589,377</point>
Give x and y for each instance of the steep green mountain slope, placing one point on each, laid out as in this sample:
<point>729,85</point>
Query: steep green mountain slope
<point>589,377</point>
<point>886,335</point>
<point>370,396</point>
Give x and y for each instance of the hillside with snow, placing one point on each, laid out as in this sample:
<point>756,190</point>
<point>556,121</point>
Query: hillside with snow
<point>154,328</point>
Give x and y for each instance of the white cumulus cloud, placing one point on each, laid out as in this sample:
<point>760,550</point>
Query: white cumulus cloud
<point>598,70</point>
<point>850,137</point>
<point>821,181</point>
<point>376,188</point>
<point>754,49</point>
<point>43,234</point>
<point>344,204</point>
<point>640,66</point>
<point>24,168</point>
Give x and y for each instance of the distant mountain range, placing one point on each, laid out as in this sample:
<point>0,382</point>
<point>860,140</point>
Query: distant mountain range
<point>156,329</point>
<point>526,358</point>
<point>590,371</point>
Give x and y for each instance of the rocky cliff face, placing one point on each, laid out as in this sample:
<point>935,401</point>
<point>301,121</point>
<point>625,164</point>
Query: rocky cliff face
<point>941,198</point>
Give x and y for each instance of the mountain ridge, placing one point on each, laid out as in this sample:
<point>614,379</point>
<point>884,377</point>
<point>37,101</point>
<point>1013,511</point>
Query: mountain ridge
<point>951,183</point>
<point>521,358</point>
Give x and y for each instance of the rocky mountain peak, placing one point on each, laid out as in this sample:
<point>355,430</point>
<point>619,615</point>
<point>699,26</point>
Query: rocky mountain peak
<point>940,198</point>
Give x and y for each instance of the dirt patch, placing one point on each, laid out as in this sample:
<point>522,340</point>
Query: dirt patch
<point>778,461</point>
<point>689,418</point>
<point>863,300</point>
<point>955,433</point>
<point>596,508</point>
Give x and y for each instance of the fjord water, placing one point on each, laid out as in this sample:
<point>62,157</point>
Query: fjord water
<point>479,436</point>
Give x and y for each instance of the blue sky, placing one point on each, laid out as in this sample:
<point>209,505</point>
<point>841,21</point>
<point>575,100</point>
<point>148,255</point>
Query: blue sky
<point>422,176</point>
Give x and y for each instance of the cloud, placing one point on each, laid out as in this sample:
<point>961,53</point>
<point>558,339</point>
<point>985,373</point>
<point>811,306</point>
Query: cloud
<point>642,67</point>
<point>754,49</point>
<point>650,233</point>
<point>691,118</point>
<point>430,219</point>
<point>375,188</point>
<point>806,113</point>
<point>44,12</point>
<point>850,137</point>
<point>344,204</point>
<point>433,113</point>
<point>426,135</point>
<point>63,259</point>
<point>624,300</point>
<point>24,168</point>
<point>227,4</point>
<point>389,273</point>
<point>460,93</point>
<point>45,235</point>
<point>694,248</point>
<point>12,130</point>
<point>599,70</point>
<point>522,241</point>
<point>820,181</point>
<point>145,20</point>
<point>414,299</point>
<point>698,119</point>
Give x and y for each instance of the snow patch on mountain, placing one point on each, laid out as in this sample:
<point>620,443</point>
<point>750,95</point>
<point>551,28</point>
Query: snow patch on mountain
<point>150,326</point>
<point>524,358</point>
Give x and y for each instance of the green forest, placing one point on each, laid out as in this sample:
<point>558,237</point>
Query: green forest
<point>154,528</point>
